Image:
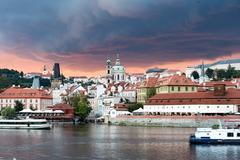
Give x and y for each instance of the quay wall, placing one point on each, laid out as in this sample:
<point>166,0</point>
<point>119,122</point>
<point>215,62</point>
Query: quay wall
<point>175,121</point>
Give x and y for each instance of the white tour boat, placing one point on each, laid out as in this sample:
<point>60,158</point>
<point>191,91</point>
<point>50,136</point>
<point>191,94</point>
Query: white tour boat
<point>215,136</point>
<point>24,124</point>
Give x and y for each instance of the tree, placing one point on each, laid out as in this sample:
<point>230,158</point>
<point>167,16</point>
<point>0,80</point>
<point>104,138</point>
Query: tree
<point>210,73</point>
<point>229,72</point>
<point>221,74</point>
<point>151,92</point>
<point>195,75</point>
<point>8,113</point>
<point>134,106</point>
<point>81,106</point>
<point>18,106</point>
<point>21,74</point>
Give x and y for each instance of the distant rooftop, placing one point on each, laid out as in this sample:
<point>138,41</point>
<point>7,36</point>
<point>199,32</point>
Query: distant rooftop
<point>158,70</point>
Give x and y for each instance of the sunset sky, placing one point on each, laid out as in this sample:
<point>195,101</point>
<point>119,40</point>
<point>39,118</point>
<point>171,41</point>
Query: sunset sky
<point>81,34</point>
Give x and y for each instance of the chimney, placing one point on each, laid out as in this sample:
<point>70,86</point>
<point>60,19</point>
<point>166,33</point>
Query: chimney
<point>219,89</point>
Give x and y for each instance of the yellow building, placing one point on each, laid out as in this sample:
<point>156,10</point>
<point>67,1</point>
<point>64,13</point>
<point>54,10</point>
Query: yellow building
<point>175,84</point>
<point>146,89</point>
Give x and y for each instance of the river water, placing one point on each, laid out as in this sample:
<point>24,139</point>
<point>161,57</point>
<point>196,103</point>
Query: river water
<point>109,142</point>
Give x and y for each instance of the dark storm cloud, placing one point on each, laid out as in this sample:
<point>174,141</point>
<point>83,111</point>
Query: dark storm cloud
<point>143,31</point>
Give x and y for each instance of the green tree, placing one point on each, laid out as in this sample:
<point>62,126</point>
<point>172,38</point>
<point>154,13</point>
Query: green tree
<point>210,73</point>
<point>8,113</point>
<point>151,92</point>
<point>18,106</point>
<point>81,106</point>
<point>134,106</point>
<point>229,72</point>
<point>21,74</point>
<point>221,74</point>
<point>195,75</point>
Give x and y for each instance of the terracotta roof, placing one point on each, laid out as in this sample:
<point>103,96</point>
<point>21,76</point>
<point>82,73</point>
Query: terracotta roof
<point>150,82</point>
<point>175,80</point>
<point>17,92</point>
<point>232,96</point>
<point>121,107</point>
<point>61,106</point>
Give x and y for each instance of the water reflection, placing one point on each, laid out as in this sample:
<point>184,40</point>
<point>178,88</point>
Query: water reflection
<point>108,142</point>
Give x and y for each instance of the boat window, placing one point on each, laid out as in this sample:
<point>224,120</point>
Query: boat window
<point>230,134</point>
<point>238,134</point>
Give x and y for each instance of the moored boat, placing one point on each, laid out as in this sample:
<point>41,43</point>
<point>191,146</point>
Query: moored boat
<point>24,124</point>
<point>215,136</point>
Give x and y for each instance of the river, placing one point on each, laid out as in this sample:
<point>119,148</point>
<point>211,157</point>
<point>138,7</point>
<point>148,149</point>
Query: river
<point>108,142</point>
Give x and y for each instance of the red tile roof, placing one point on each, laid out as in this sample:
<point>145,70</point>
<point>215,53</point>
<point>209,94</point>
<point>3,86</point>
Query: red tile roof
<point>232,96</point>
<point>17,92</point>
<point>175,80</point>
<point>121,107</point>
<point>150,82</point>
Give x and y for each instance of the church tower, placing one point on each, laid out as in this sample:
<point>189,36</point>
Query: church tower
<point>118,71</point>
<point>109,70</point>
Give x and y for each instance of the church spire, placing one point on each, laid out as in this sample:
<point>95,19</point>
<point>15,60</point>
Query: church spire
<point>118,60</point>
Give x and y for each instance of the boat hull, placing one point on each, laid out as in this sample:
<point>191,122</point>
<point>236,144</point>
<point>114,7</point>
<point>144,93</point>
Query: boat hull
<point>194,140</point>
<point>31,127</point>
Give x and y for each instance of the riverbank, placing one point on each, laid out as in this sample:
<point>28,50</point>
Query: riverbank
<point>175,121</point>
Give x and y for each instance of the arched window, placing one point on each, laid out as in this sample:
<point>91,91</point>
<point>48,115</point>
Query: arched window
<point>118,77</point>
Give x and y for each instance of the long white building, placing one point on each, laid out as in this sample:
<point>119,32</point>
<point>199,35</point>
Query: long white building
<point>219,101</point>
<point>31,98</point>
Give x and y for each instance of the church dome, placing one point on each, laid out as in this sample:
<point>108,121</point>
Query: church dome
<point>118,69</point>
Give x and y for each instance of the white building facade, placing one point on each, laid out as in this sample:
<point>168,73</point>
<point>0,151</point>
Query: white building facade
<point>30,98</point>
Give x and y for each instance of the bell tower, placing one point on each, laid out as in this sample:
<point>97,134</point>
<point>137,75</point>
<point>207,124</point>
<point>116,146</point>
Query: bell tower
<point>109,70</point>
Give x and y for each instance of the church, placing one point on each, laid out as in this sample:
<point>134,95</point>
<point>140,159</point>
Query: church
<point>116,73</point>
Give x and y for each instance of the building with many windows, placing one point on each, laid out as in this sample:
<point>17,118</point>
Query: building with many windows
<point>175,84</point>
<point>31,98</point>
<point>217,102</point>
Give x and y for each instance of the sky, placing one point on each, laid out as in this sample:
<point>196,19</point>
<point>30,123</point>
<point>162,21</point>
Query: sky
<point>81,34</point>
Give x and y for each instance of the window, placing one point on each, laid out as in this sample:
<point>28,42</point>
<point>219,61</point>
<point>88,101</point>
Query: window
<point>172,88</point>
<point>192,88</point>
<point>217,106</point>
<point>238,134</point>
<point>186,88</point>
<point>230,134</point>
<point>178,88</point>
<point>207,106</point>
<point>227,106</point>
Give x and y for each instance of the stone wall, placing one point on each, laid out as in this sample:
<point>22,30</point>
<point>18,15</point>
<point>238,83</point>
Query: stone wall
<point>175,121</point>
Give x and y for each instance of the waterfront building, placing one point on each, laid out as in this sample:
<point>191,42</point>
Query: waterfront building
<point>175,84</point>
<point>220,101</point>
<point>31,98</point>
<point>119,109</point>
<point>105,103</point>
